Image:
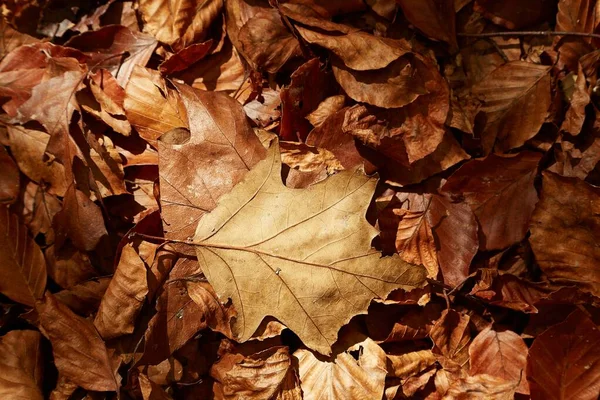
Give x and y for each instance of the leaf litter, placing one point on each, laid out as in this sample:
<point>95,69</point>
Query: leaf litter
<point>252,199</point>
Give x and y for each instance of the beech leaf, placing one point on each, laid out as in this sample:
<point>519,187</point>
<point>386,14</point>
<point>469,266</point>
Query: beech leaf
<point>310,248</point>
<point>21,366</point>
<point>22,263</point>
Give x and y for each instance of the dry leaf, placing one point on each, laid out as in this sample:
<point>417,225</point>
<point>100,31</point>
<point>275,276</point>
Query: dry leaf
<point>343,377</point>
<point>21,261</point>
<point>21,365</point>
<point>502,355</point>
<point>124,296</point>
<point>268,374</point>
<point>79,352</point>
<point>9,181</point>
<point>234,237</point>
<point>435,18</point>
<point>564,361</point>
<point>564,228</point>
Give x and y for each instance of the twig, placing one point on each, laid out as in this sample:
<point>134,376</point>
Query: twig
<point>528,33</point>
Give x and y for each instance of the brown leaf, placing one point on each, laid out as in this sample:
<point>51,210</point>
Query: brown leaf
<point>343,377</point>
<point>516,98</point>
<point>21,365</point>
<point>179,318</point>
<point>480,387</point>
<point>28,147</point>
<point>192,184</point>
<point>151,390</point>
<point>79,352</point>
<point>501,194</point>
<point>80,220</point>
<point>21,261</point>
<point>179,23</point>
<point>265,109</point>
<point>115,48</point>
<point>308,165</point>
<point>152,108</point>
<point>394,86</point>
<point>326,108</point>
<point>186,57</point>
<point>124,296</point>
<point>68,266</point>
<point>265,375</point>
<point>11,39</point>
<point>221,71</point>
<point>330,135</point>
<point>284,251</point>
<point>435,18</point>
<point>39,209</point>
<point>358,50</point>
<point>451,338</point>
<point>575,16</point>
<point>265,41</point>
<point>564,231</point>
<point>303,95</point>
<point>502,355</point>
<point>564,361</point>
<point>580,98</point>
<point>9,181</point>
<point>408,362</point>
<point>84,298</point>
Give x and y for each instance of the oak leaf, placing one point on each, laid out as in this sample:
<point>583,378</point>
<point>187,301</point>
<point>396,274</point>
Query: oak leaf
<point>309,248</point>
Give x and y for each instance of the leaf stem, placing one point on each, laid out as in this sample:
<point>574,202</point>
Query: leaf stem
<point>528,33</point>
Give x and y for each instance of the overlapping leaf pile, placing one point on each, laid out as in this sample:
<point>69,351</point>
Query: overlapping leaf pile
<point>252,199</point>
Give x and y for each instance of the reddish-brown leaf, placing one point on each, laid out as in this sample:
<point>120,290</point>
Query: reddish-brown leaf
<point>564,232</point>
<point>435,18</point>
<point>512,15</point>
<point>500,191</point>
<point>516,98</point>
<point>502,354</point>
<point>451,336</point>
<point>22,263</point>
<point>564,361</point>
<point>9,181</point>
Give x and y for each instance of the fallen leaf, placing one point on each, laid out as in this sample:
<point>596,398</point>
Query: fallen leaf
<point>575,115</point>
<point>501,354</point>
<point>179,23</point>
<point>79,353</point>
<point>343,377</point>
<point>394,86</point>
<point>186,57</point>
<point>325,109</point>
<point>230,149</point>
<point>516,99</point>
<point>115,48</point>
<point>500,191</point>
<point>564,361</point>
<point>451,338</point>
<point>564,227</point>
<point>84,298</point>
<point>480,387</point>
<point>12,38</point>
<point>575,16</point>
<point>405,364</point>
<point>124,296</point>
<point>332,213</point>
<point>21,261</point>
<point>435,18</point>
<point>80,220</point>
<point>268,374</point>
<point>21,365</point>
<point>152,108</point>
<point>28,147</point>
